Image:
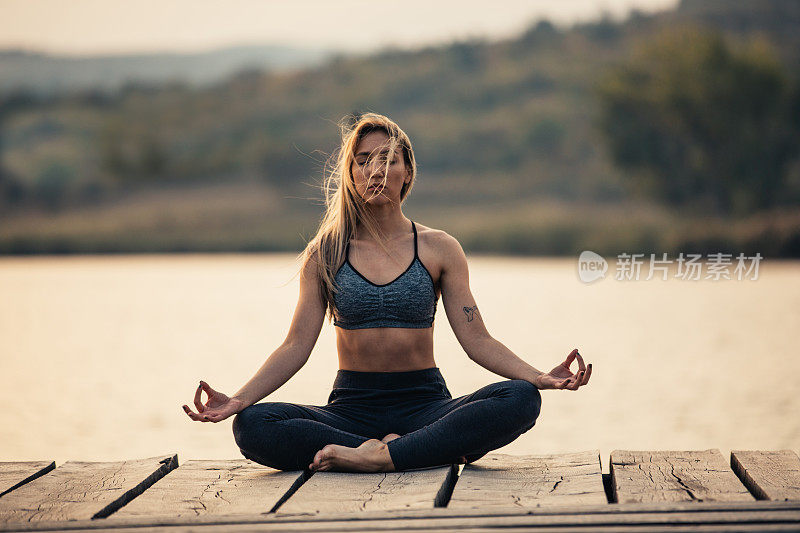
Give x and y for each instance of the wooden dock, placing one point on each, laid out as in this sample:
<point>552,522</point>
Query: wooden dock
<point>645,491</point>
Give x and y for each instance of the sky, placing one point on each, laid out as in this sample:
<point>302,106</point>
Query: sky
<point>90,27</point>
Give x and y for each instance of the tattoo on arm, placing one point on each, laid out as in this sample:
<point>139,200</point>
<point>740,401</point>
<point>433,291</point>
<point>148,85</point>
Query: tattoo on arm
<point>470,312</point>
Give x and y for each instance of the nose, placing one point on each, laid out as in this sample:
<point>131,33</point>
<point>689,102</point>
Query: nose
<point>375,169</point>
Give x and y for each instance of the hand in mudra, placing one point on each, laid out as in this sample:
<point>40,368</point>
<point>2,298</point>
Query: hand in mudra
<point>218,407</point>
<point>561,377</point>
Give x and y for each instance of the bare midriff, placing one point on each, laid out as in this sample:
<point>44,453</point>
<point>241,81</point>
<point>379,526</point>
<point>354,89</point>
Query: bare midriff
<point>385,349</point>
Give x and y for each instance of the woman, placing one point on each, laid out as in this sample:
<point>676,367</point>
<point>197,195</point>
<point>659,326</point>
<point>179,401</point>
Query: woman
<point>379,275</point>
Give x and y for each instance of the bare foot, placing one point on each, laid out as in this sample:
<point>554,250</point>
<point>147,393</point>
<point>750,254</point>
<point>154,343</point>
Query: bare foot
<point>389,437</point>
<point>371,456</point>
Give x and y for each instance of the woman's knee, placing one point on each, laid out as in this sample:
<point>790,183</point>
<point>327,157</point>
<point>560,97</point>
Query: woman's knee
<point>253,430</point>
<point>527,398</point>
<point>243,424</point>
<point>251,423</point>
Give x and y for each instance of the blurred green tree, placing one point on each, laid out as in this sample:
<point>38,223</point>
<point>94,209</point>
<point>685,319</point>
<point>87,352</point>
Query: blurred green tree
<point>52,184</point>
<point>700,124</point>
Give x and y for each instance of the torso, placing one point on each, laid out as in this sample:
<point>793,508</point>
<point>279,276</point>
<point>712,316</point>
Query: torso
<point>391,349</point>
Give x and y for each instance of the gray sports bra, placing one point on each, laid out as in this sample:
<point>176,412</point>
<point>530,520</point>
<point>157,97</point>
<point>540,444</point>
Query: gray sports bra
<point>408,301</point>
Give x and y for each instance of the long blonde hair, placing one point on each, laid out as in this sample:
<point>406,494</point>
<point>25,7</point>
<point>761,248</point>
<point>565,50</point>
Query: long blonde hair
<point>344,206</point>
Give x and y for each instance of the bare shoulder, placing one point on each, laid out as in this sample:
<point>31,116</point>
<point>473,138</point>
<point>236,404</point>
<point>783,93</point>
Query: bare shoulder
<point>310,268</point>
<point>438,248</point>
<point>435,239</point>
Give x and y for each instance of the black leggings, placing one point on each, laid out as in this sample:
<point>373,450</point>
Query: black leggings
<point>435,429</point>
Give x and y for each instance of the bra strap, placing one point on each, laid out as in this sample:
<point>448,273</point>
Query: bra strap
<point>414,227</point>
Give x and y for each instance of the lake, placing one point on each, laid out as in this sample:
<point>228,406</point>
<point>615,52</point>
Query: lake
<point>98,353</point>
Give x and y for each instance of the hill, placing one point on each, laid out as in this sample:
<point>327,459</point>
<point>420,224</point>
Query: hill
<point>52,74</point>
<point>504,130</point>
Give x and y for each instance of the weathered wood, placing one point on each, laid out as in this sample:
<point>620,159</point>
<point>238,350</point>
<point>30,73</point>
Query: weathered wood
<point>14,475</point>
<point>762,515</point>
<point>695,475</point>
<point>213,487</point>
<point>83,490</point>
<point>483,528</point>
<point>499,480</point>
<point>491,528</point>
<point>331,492</point>
<point>769,475</point>
<point>386,502</point>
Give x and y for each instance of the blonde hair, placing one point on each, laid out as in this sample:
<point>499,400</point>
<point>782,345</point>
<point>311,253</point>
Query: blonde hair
<point>345,208</point>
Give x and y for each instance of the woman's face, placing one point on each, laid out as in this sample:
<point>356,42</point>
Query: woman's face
<point>369,169</point>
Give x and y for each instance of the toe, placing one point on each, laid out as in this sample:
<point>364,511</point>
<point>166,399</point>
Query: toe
<point>390,437</point>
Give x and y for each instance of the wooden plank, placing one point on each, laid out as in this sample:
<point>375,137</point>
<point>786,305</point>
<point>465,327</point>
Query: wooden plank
<point>769,475</point>
<point>483,528</point>
<point>213,487</point>
<point>763,515</point>
<point>695,475</point>
<point>332,492</point>
<point>492,528</point>
<point>15,474</point>
<point>499,480</point>
<point>748,511</point>
<point>83,490</point>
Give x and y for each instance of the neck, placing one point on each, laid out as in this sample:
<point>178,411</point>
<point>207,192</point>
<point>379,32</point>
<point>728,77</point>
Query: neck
<point>391,221</point>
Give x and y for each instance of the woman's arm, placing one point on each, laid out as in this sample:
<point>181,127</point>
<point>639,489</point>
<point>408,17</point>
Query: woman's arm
<point>469,329</point>
<point>280,366</point>
<point>290,356</point>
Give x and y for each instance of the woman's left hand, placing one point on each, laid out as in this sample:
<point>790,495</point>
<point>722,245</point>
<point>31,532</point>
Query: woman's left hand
<point>561,377</point>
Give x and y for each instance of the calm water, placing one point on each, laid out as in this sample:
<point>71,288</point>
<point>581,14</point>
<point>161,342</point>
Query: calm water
<point>97,354</point>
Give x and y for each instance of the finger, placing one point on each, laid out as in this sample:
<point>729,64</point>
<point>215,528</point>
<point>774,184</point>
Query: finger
<point>581,365</point>
<point>198,400</point>
<point>577,381</point>
<point>207,388</point>
<point>588,374</point>
<point>564,384</point>
<point>571,357</point>
<point>192,414</point>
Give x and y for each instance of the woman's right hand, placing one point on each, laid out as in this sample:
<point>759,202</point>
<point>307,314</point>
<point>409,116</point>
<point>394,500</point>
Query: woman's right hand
<point>218,407</point>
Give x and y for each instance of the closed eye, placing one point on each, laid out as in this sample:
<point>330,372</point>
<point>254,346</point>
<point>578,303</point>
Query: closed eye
<point>362,163</point>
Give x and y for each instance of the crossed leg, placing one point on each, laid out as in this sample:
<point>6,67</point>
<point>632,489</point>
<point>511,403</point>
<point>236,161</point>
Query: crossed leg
<point>289,436</point>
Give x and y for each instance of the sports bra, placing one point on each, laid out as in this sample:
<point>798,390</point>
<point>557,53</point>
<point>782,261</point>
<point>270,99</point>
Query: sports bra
<point>408,301</point>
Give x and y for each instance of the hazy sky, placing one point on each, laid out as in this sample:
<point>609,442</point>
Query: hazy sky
<point>124,26</point>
